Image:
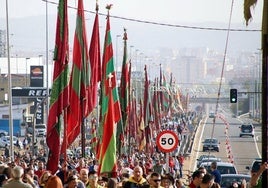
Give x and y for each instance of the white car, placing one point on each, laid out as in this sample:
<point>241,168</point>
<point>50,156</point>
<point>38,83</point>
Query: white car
<point>5,140</point>
<point>3,133</point>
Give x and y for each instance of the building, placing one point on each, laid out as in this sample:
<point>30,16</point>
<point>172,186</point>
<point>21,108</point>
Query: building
<point>3,45</point>
<point>20,74</point>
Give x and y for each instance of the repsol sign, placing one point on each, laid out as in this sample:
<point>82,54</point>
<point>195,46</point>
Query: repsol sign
<point>30,92</point>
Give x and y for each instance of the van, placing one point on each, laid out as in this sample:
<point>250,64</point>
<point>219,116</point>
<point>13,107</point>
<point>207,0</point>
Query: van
<point>40,129</point>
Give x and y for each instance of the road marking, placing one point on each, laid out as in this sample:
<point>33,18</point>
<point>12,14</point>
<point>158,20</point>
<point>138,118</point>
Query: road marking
<point>256,145</point>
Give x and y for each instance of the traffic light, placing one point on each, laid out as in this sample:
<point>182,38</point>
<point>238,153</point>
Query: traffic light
<point>233,95</point>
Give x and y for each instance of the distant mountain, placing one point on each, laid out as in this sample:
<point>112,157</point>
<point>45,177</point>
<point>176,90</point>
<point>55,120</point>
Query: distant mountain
<point>29,35</point>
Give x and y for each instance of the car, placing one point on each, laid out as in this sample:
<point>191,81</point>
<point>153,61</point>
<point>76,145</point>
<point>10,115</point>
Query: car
<point>223,167</point>
<point>209,159</point>
<point>227,180</point>
<point>211,144</point>
<point>255,166</point>
<point>3,133</point>
<point>204,156</point>
<point>246,130</point>
<point>5,141</point>
<point>211,115</point>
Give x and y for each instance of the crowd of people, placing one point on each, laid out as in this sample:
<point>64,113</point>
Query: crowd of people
<point>80,172</point>
<point>139,171</point>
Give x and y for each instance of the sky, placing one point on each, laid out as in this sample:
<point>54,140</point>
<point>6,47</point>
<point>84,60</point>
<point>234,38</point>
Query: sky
<point>27,33</point>
<point>171,11</point>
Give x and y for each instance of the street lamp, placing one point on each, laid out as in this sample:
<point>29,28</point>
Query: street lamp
<point>137,50</point>
<point>116,61</point>
<point>26,75</point>
<point>40,59</point>
<point>130,54</point>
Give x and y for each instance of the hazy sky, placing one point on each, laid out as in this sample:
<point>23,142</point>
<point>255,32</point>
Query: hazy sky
<point>29,34</point>
<point>170,11</point>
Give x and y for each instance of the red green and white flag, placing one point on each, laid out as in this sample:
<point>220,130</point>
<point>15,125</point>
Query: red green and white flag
<point>59,99</point>
<point>124,94</point>
<point>110,107</point>
<point>79,81</point>
<point>95,61</point>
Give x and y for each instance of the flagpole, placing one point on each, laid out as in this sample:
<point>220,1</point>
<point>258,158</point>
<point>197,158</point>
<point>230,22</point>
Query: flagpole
<point>83,131</point>
<point>9,88</point>
<point>47,105</point>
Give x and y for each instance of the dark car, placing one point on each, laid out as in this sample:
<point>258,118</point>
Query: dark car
<point>255,166</point>
<point>223,167</point>
<point>211,144</point>
<point>209,159</point>
<point>246,130</point>
<point>201,157</point>
<point>227,180</point>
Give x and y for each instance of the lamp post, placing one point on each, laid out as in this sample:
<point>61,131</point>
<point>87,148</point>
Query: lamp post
<point>40,59</point>
<point>130,54</point>
<point>26,75</point>
<point>116,61</point>
<point>137,73</point>
<point>9,88</point>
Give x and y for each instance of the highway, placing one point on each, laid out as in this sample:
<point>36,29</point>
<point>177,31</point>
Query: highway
<point>241,150</point>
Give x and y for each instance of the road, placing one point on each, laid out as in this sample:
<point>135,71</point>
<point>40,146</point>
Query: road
<point>242,151</point>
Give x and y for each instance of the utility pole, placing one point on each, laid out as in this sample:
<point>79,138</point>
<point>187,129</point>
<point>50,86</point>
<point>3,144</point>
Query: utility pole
<point>264,87</point>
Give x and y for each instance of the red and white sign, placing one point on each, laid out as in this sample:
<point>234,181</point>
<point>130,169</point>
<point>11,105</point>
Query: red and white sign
<point>167,141</point>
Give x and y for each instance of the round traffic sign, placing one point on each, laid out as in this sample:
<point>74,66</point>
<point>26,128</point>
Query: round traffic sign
<point>167,141</point>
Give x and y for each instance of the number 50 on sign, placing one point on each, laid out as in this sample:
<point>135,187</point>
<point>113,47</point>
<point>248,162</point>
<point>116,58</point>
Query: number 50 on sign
<point>167,141</point>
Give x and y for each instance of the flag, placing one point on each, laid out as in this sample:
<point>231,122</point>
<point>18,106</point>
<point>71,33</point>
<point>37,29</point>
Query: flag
<point>109,101</point>
<point>94,138</point>
<point>166,96</point>
<point>248,4</point>
<point>108,148</point>
<point>59,98</point>
<point>147,110</point>
<point>124,93</point>
<point>79,81</point>
<point>156,110</point>
<point>141,132</point>
<point>95,62</point>
<point>132,121</point>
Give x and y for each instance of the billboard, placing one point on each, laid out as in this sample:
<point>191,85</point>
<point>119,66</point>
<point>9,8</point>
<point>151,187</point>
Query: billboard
<point>37,76</point>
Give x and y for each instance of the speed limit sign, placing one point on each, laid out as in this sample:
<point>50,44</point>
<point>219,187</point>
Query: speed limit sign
<point>167,141</point>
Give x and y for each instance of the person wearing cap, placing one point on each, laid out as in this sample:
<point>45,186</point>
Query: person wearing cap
<point>136,180</point>
<point>16,181</point>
